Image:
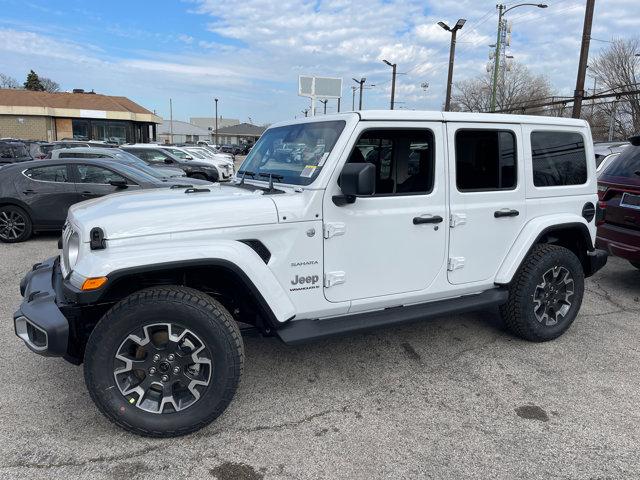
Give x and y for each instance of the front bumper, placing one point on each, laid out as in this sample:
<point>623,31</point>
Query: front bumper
<point>596,259</point>
<point>39,321</point>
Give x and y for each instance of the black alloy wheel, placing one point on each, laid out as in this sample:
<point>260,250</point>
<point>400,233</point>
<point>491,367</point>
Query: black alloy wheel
<point>15,224</point>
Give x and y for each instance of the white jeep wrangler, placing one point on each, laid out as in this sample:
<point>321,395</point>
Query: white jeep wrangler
<point>333,225</point>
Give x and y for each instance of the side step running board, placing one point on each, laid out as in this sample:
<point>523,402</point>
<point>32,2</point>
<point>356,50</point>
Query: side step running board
<point>302,331</point>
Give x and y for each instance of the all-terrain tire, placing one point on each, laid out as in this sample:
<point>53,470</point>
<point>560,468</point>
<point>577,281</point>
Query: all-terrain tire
<point>185,308</point>
<point>21,222</point>
<point>518,312</point>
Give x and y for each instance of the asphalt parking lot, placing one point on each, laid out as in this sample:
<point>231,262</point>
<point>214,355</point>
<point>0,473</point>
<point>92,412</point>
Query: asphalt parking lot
<point>452,398</point>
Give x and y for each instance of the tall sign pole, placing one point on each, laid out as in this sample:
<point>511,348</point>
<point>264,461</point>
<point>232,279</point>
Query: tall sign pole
<point>578,94</point>
<point>216,123</point>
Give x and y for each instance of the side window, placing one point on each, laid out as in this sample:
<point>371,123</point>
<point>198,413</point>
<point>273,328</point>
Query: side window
<point>486,160</point>
<point>559,158</point>
<point>72,155</point>
<point>53,173</point>
<point>404,160</point>
<point>99,175</point>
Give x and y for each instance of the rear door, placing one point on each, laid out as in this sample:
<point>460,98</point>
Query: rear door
<point>49,192</point>
<point>487,197</point>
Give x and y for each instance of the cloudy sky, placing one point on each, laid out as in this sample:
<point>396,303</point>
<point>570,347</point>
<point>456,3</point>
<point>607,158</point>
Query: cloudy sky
<point>249,53</point>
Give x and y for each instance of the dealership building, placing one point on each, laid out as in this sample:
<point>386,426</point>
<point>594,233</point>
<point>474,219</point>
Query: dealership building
<point>81,115</point>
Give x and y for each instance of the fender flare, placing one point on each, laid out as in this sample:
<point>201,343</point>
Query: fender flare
<point>531,234</point>
<point>232,255</point>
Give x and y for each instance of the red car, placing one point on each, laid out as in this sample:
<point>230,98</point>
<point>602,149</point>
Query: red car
<point>618,216</point>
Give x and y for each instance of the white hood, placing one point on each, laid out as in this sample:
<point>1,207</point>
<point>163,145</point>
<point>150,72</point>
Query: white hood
<point>166,211</point>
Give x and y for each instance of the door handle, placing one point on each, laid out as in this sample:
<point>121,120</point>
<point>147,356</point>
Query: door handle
<point>429,219</point>
<point>506,213</point>
<point>29,192</point>
<point>85,193</point>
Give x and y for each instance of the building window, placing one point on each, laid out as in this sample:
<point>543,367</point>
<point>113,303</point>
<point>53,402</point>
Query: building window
<point>80,129</point>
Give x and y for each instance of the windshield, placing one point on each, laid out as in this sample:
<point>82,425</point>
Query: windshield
<point>294,153</point>
<point>178,153</point>
<point>626,165</point>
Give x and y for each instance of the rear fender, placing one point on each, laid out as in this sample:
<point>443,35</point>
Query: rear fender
<point>532,233</point>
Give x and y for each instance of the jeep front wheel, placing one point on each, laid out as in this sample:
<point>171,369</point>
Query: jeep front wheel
<point>165,361</point>
<point>545,295</point>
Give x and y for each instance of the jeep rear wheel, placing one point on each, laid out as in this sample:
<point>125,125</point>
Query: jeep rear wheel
<point>165,361</point>
<point>545,295</point>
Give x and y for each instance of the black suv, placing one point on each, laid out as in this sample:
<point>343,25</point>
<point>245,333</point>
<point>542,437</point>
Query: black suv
<point>12,152</point>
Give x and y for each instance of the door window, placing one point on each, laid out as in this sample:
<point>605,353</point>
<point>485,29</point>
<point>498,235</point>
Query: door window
<point>559,158</point>
<point>404,160</point>
<point>153,156</point>
<point>98,175</point>
<point>53,173</point>
<point>485,160</point>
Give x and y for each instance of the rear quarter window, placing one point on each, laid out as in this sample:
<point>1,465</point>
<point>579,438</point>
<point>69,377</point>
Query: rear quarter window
<point>559,158</point>
<point>626,165</point>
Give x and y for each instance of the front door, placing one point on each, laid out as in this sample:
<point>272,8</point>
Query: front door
<point>394,241</point>
<point>94,181</point>
<point>487,197</point>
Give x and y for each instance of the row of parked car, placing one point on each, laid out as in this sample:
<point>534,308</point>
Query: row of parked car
<point>36,194</point>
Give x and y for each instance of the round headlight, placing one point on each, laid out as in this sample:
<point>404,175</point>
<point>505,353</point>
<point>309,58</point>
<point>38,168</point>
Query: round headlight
<point>73,249</point>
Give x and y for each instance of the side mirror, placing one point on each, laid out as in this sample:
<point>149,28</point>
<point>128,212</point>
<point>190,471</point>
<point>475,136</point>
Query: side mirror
<point>188,157</point>
<point>118,183</point>
<point>356,179</point>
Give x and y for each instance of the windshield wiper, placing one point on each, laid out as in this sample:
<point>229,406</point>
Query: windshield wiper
<point>271,176</point>
<point>244,173</point>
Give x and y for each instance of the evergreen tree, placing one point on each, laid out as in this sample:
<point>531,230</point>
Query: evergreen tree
<point>33,82</point>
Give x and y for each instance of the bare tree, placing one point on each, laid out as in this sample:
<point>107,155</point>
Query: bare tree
<point>49,85</point>
<point>517,88</point>
<point>617,69</point>
<point>8,82</point>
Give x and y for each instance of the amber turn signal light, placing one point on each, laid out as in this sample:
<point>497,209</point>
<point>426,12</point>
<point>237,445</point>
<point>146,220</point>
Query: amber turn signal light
<point>93,283</point>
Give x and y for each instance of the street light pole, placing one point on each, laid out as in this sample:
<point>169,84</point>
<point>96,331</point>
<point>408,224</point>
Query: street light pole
<point>394,66</point>
<point>216,123</point>
<point>452,52</point>
<point>502,10</point>
<point>361,83</point>
<point>324,103</point>
<point>353,98</point>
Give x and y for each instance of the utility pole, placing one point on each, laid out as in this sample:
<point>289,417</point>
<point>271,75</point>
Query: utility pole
<point>612,119</point>
<point>216,124</point>
<point>171,120</point>
<point>394,67</point>
<point>353,98</point>
<point>452,52</point>
<point>361,83</point>
<point>584,55</point>
<point>339,98</point>
<point>502,10</point>
<point>324,103</point>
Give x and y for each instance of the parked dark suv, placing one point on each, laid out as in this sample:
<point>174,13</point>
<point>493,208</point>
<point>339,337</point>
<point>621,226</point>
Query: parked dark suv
<point>619,206</point>
<point>12,152</point>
